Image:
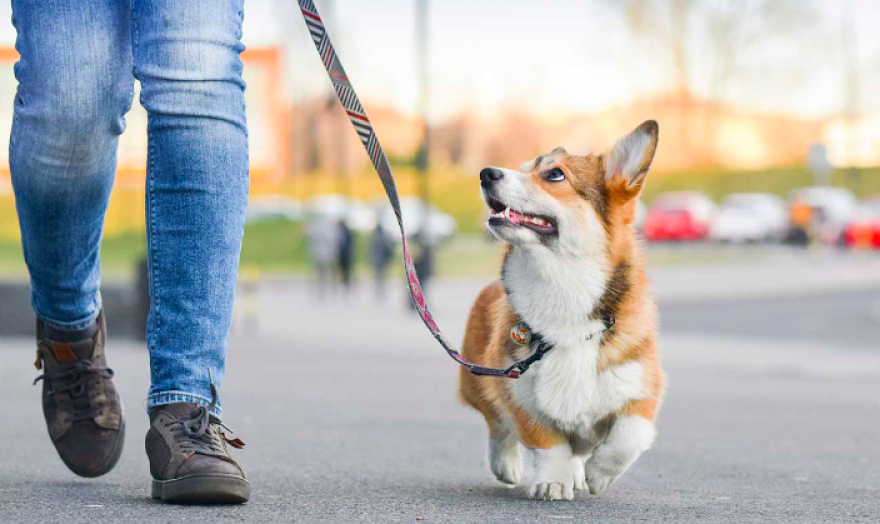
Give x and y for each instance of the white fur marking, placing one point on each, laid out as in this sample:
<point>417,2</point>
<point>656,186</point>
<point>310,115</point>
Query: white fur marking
<point>564,391</point>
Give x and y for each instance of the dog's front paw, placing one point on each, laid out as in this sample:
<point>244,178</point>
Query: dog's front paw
<point>629,437</point>
<point>553,478</point>
<point>558,490</point>
<point>597,479</point>
<point>505,460</point>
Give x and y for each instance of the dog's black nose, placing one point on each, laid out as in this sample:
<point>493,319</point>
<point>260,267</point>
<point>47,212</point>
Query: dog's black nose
<point>489,175</point>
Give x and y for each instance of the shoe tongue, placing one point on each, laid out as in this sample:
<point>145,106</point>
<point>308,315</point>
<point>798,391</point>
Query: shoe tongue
<point>66,353</point>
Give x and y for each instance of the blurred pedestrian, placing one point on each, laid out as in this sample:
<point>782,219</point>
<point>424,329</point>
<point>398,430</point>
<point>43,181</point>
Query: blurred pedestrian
<point>322,235</point>
<point>345,256</point>
<point>381,252</point>
<point>800,219</point>
<point>77,65</point>
<point>424,263</point>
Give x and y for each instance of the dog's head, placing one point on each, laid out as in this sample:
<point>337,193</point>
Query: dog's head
<point>567,202</point>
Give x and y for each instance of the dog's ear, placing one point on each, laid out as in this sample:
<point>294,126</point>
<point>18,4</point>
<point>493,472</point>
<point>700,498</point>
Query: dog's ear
<point>626,166</point>
<point>627,163</point>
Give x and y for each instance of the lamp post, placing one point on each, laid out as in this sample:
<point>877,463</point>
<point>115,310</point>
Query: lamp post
<point>343,180</point>
<point>850,90</point>
<point>425,262</point>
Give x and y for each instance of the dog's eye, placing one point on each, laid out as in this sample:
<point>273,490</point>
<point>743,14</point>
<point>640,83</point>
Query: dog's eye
<point>554,175</point>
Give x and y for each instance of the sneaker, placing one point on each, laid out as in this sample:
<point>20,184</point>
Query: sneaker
<point>189,457</point>
<point>82,408</point>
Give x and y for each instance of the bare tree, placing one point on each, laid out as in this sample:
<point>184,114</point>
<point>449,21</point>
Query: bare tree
<point>661,23</point>
<point>711,44</point>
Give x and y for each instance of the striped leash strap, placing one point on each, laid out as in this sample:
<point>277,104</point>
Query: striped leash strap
<point>364,129</point>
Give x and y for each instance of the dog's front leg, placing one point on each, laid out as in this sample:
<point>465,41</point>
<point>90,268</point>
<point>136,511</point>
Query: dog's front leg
<point>577,469</point>
<point>583,444</point>
<point>629,437</point>
<point>554,479</point>
<point>551,451</point>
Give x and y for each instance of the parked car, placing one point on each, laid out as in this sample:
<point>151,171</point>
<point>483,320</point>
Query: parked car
<point>863,231</point>
<point>831,210</point>
<point>679,216</point>
<point>750,217</point>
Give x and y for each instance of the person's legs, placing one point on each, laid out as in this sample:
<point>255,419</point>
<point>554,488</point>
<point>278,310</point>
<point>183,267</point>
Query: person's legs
<point>186,56</point>
<point>75,86</point>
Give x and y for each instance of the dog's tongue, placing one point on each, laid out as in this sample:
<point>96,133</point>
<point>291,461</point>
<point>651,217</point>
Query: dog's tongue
<point>515,217</point>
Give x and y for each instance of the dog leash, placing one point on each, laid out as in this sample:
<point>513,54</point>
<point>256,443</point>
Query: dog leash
<point>364,129</point>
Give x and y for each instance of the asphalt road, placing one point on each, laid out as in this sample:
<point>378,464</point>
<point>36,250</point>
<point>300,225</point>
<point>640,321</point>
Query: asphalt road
<point>349,415</point>
<point>845,319</point>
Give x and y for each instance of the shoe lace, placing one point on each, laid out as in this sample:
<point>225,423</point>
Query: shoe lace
<point>201,432</point>
<point>75,380</point>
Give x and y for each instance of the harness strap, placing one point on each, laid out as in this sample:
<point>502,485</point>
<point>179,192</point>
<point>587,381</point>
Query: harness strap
<point>364,129</point>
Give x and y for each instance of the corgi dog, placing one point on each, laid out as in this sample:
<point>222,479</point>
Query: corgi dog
<point>572,279</point>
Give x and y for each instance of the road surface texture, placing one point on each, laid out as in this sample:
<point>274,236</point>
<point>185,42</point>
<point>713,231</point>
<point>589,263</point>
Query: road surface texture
<point>349,414</point>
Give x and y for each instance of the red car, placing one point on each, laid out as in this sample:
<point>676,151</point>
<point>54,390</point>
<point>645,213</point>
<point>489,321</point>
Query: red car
<point>864,230</point>
<point>679,216</point>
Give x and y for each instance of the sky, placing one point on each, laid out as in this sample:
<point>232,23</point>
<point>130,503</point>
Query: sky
<point>558,56</point>
<point>548,57</point>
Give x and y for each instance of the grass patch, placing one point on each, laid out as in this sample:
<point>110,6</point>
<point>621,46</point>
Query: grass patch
<point>277,246</point>
<point>280,246</point>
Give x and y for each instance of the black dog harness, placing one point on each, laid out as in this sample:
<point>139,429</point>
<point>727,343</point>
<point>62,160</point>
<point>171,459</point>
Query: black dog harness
<point>523,335</point>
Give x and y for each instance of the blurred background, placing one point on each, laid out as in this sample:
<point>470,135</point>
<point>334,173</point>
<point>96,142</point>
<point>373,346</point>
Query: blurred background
<point>761,221</point>
<point>770,130</point>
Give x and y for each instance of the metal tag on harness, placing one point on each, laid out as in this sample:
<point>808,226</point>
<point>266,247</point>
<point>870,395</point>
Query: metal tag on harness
<point>521,334</point>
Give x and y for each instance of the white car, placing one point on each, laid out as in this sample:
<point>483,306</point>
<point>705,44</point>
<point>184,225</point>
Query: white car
<point>749,217</point>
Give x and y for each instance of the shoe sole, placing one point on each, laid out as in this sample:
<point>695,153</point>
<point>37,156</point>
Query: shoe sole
<point>203,489</point>
<point>114,457</point>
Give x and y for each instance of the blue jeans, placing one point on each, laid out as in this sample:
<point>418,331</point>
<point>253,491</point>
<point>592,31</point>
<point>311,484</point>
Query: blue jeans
<point>79,60</point>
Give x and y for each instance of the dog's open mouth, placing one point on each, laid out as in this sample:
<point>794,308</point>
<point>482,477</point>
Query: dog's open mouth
<point>502,215</point>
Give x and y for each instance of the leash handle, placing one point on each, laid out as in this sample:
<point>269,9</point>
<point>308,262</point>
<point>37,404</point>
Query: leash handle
<point>364,129</point>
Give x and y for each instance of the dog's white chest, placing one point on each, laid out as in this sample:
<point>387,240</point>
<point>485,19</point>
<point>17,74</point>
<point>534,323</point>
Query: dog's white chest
<point>565,389</point>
